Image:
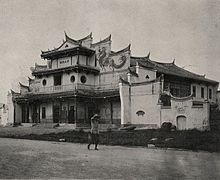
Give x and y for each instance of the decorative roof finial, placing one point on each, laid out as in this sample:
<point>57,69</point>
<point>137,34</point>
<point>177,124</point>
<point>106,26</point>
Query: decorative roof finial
<point>129,47</point>
<point>148,56</point>
<point>174,61</point>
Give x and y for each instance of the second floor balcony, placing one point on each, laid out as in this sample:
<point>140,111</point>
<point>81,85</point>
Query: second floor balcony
<point>76,86</point>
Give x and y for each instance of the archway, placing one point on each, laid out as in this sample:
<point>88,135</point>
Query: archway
<point>181,122</point>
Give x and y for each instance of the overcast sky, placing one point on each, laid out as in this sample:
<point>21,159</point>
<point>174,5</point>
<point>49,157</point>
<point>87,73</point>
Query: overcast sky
<point>188,31</point>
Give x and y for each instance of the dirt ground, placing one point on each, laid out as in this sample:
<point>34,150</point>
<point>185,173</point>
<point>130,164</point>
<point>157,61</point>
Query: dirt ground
<point>41,159</point>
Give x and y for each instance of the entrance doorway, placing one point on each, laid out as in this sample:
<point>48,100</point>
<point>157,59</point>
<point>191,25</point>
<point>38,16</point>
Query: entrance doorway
<point>56,113</point>
<point>25,113</point>
<point>35,114</point>
<point>71,114</point>
<point>181,122</point>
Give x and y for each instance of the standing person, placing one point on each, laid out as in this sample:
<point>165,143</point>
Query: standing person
<point>94,133</point>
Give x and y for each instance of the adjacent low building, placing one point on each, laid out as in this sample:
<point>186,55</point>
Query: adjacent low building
<point>82,77</point>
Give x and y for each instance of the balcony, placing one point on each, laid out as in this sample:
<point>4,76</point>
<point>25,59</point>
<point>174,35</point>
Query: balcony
<point>73,87</point>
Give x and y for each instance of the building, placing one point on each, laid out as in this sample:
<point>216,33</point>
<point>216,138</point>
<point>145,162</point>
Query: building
<point>81,77</point>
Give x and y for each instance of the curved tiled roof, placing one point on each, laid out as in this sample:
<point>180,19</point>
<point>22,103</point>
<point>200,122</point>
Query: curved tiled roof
<point>103,41</point>
<point>79,40</point>
<point>24,86</point>
<point>169,69</point>
<point>68,39</point>
<point>123,50</point>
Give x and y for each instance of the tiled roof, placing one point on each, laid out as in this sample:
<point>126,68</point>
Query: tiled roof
<point>113,53</point>
<point>102,41</point>
<point>169,69</point>
<point>68,94</point>
<point>68,39</point>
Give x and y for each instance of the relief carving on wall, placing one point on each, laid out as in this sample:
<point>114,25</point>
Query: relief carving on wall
<point>106,61</point>
<point>181,108</point>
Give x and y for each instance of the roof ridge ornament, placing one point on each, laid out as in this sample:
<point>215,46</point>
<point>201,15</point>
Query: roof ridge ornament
<point>22,85</point>
<point>148,56</point>
<point>65,34</point>
<point>174,61</point>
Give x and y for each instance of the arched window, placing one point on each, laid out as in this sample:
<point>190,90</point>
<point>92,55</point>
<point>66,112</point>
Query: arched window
<point>83,79</point>
<point>72,78</point>
<point>44,82</point>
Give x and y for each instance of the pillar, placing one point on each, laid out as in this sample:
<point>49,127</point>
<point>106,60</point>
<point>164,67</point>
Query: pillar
<point>125,98</point>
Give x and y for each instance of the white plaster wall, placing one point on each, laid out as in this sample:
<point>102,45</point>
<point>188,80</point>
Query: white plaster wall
<point>74,60</point>
<point>92,60</point>
<point>140,98</point>
<point>196,117</point>
<point>3,116</point>
<point>125,103</point>
<point>10,109</point>
<point>54,64</point>
<point>142,75</point>
<point>66,79</point>
<point>146,100</point>
<point>109,79</point>
<point>90,79</point>
<point>82,60</point>
<point>87,42</point>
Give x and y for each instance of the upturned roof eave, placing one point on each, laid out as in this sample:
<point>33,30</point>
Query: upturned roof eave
<point>75,50</point>
<point>69,68</point>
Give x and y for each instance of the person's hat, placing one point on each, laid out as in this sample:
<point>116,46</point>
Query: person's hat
<point>95,116</point>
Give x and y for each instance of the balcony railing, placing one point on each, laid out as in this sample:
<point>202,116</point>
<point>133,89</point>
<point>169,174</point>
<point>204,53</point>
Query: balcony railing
<point>72,87</point>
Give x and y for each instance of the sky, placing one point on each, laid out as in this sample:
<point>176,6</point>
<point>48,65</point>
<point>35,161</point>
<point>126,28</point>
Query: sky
<point>185,30</point>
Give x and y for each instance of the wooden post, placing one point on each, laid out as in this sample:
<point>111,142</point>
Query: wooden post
<point>111,110</point>
<point>14,102</point>
<point>27,107</point>
<point>77,56</point>
<point>60,113</point>
<point>39,113</point>
<point>76,120</point>
<point>85,112</point>
<point>68,104</point>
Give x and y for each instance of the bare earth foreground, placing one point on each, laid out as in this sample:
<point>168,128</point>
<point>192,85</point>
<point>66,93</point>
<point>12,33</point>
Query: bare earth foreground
<point>41,159</point>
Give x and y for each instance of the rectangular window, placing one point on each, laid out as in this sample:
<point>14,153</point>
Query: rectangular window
<point>57,80</point>
<point>194,91</point>
<point>202,92</point>
<point>43,112</point>
<point>87,60</point>
<point>210,94</point>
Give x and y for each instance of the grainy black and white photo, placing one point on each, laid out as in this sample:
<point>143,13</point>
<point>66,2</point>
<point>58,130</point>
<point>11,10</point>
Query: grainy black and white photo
<point>109,89</point>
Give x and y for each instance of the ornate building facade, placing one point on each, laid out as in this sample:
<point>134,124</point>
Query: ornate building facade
<point>81,77</point>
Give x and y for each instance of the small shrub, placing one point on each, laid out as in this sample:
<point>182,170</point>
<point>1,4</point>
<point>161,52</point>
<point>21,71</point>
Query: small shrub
<point>166,126</point>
